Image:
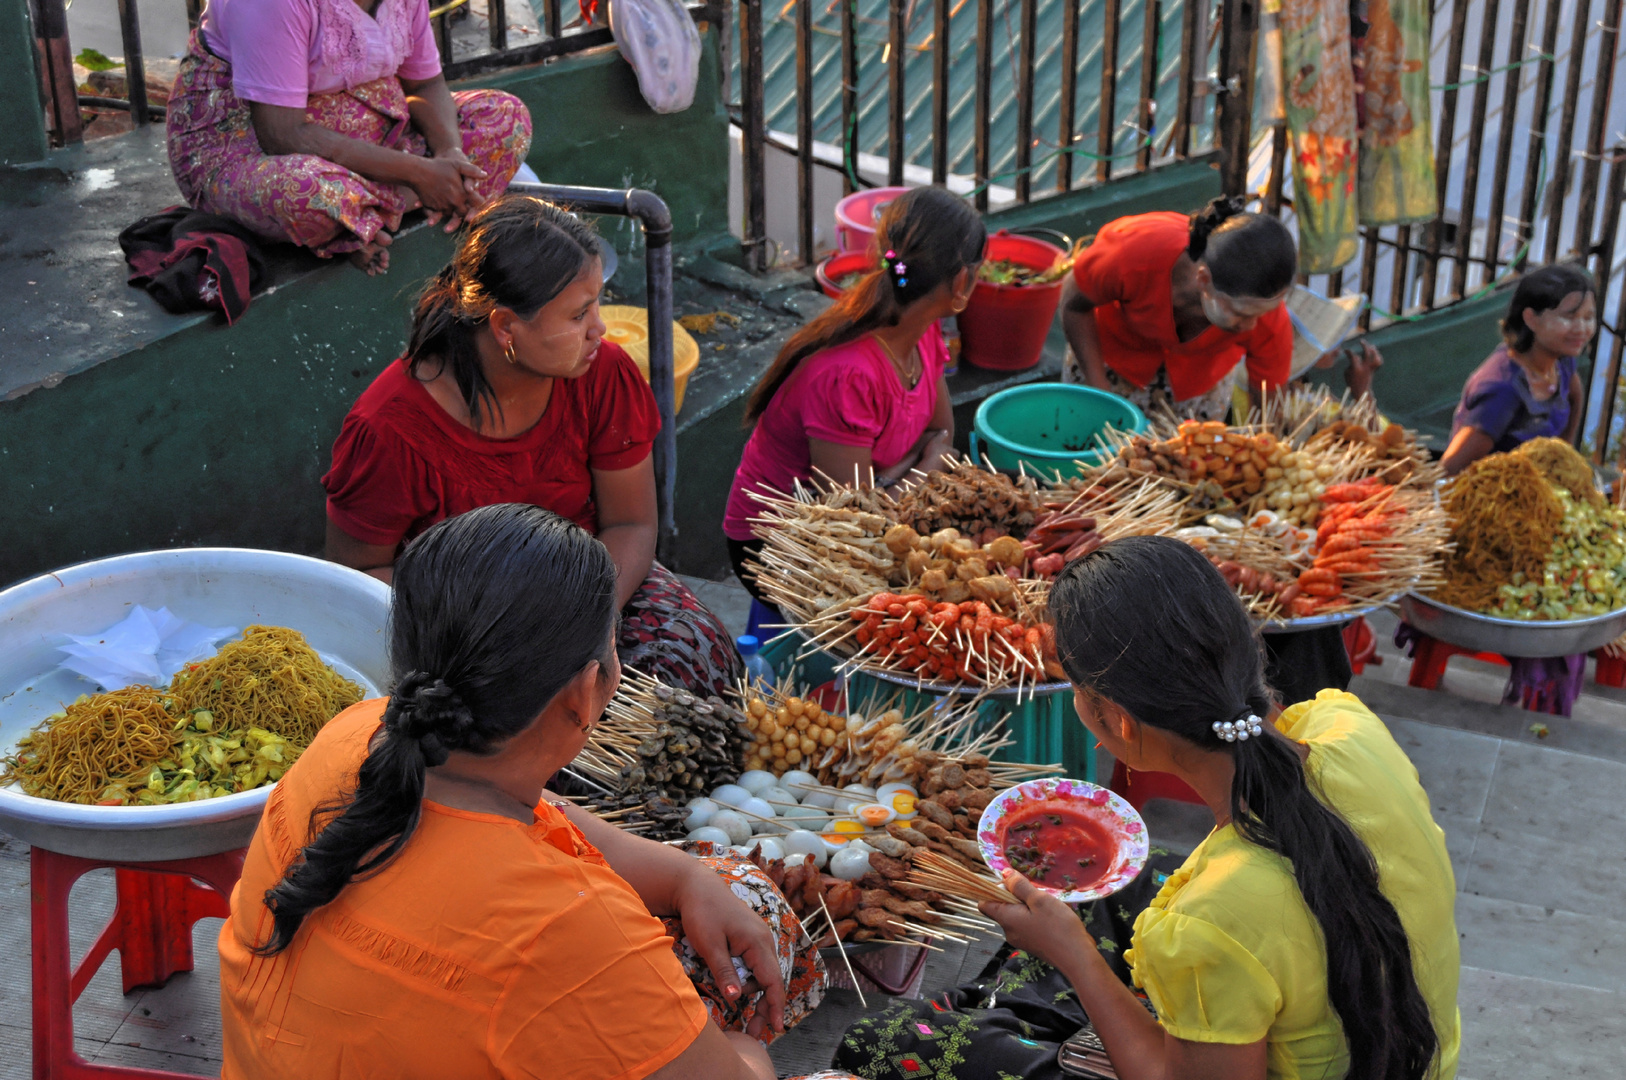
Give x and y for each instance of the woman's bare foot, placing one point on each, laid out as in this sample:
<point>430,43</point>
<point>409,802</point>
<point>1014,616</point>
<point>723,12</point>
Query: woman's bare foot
<point>374,257</point>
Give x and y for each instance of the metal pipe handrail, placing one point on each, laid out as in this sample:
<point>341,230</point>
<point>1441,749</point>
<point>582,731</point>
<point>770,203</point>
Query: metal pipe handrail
<point>656,219</point>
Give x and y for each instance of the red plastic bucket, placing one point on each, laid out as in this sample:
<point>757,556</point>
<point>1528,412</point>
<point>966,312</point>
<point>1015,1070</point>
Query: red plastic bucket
<point>858,214</point>
<point>836,267</point>
<point>1004,327</point>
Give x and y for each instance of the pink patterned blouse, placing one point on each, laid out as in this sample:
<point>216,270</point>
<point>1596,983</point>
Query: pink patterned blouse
<point>283,51</point>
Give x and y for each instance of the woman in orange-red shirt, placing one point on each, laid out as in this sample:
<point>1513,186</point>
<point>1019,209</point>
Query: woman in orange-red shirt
<point>411,906</point>
<point>1161,308</point>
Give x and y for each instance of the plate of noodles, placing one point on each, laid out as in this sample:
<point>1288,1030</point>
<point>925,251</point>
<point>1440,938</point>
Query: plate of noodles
<point>182,770</point>
<point>1536,561</point>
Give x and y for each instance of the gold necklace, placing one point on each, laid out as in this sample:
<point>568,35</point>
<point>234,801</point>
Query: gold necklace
<point>911,375</point>
<point>1548,382</point>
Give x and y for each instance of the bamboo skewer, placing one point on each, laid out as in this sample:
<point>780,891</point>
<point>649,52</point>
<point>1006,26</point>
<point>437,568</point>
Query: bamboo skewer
<point>851,974</point>
<point>942,874</point>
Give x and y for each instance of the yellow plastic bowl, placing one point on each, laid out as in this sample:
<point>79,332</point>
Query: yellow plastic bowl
<point>628,327</point>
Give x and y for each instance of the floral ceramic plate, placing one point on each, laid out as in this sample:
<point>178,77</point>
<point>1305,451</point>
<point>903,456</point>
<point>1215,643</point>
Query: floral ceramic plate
<point>1054,816</point>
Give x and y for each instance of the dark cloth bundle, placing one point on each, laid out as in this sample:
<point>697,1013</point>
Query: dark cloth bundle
<point>192,261</point>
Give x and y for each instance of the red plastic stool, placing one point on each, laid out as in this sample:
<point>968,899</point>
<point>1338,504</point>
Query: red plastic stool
<point>1139,788</point>
<point>1430,657</point>
<point>1611,670</point>
<point>1361,645</point>
<point>151,927</point>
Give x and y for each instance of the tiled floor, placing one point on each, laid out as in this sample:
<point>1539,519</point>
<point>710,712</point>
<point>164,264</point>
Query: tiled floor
<point>1535,830</point>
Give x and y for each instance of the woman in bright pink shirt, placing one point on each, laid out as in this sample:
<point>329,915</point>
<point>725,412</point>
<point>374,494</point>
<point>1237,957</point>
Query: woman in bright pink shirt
<point>858,393</point>
<point>322,122</point>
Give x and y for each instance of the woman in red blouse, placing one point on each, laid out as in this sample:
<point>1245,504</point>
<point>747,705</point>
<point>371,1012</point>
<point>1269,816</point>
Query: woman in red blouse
<point>1162,307</point>
<point>507,393</point>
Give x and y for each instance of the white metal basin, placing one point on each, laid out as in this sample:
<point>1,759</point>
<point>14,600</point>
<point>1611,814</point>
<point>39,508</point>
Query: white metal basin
<point>341,612</point>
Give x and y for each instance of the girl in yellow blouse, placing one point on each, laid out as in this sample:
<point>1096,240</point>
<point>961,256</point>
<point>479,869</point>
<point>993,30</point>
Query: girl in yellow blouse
<point>1311,934</point>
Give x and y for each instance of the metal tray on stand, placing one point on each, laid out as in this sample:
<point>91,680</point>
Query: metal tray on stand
<point>341,612</point>
<point>1511,637</point>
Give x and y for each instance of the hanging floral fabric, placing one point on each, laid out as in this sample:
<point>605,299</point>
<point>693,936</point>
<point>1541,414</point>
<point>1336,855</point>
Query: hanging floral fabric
<point>1320,92</point>
<point>1396,152</point>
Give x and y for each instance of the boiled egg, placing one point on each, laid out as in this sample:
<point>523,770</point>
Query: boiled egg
<point>875,815</point>
<point>842,830</point>
<point>849,865</point>
<point>800,781</point>
<point>900,797</point>
<point>803,842</point>
<point>731,795</point>
<point>700,812</point>
<point>732,823</point>
<point>713,834</point>
<point>853,796</point>
<point>824,800</point>
<point>771,847</point>
<point>779,798</point>
<point>804,817</point>
<point>756,780</point>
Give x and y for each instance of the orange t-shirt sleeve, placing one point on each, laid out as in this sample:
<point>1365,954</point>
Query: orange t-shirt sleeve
<point>620,1009</point>
<point>1270,349</point>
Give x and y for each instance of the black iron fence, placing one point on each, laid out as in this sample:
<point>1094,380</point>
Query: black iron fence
<point>1206,90</point>
<point>1528,171</point>
<point>557,34</point>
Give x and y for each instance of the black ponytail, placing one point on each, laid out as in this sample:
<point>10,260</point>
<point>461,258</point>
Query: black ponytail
<point>925,237</point>
<point>1148,624</point>
<point>518,252</point>
<point>494,612</point>
<point>1249,255</point>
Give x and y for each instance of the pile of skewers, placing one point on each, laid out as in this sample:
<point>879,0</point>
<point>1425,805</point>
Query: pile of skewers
<point>874,898</point>
<point>1342,517</point>
<point>996,582</point>
<point>947,583</point>
<point>844,844</point>
<point>656,747</point>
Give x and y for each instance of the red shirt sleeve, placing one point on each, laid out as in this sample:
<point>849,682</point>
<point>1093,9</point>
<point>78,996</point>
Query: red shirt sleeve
<point>1099,272</point>
<point>624,418</point>
<point>377,488</point>
<point>1270,349</point>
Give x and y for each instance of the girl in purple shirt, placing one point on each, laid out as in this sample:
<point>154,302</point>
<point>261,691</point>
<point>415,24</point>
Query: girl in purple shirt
<point>1528,387</point>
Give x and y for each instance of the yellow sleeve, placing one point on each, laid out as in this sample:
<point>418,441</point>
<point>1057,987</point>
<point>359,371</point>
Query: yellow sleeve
<point>1204,985</point>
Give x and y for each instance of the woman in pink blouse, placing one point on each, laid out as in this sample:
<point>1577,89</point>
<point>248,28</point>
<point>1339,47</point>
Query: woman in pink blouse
<point>322,122</point>
<point>859,391</point>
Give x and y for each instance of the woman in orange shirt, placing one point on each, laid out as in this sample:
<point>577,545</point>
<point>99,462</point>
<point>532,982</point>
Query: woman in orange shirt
<point>1162,307</point>
<point>411,906</point>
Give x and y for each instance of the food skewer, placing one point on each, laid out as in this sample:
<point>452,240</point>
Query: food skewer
<point>851,974</point>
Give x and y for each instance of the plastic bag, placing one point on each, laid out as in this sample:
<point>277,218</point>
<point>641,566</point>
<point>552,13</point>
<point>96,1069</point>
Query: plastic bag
<point>147,648</point>
<point>659,40</point>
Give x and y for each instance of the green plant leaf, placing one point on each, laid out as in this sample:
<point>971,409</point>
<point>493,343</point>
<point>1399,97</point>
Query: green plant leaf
<point>95,61</point>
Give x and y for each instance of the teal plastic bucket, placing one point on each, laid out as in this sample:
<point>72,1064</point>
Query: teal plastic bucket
<point>1044,726</point>
<point>1048,428</point>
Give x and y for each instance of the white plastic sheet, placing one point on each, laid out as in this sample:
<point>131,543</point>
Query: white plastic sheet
<point>147,648</point>
<point>659,39</point>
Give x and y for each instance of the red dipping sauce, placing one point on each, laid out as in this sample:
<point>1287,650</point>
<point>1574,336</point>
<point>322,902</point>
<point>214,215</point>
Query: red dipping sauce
<point>1059,846</point>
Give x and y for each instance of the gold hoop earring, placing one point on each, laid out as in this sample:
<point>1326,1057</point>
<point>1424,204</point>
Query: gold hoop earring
<point>958,306</point>
<point>508,351</point>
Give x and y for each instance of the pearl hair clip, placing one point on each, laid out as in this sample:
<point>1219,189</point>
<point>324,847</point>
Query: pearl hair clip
<point>1239,730</point>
